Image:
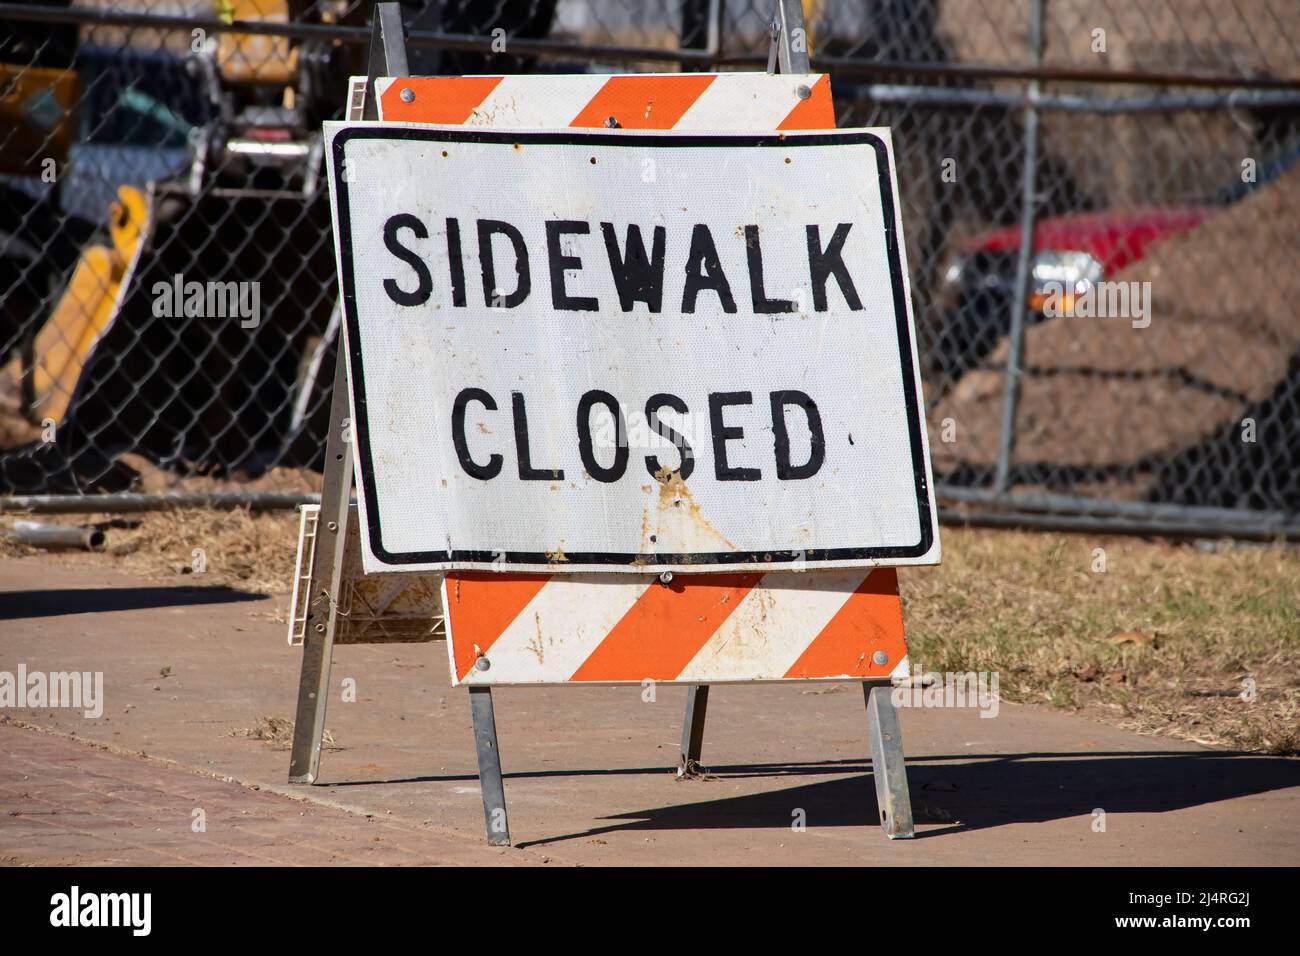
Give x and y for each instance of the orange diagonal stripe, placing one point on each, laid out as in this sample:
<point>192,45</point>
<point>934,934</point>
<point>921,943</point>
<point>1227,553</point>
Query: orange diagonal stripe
<point>666,627</point>
<point>871,620</point>
<point>643,102</point>
<point>481,605</point>
<point>448,100</point>
<point>816,112</point>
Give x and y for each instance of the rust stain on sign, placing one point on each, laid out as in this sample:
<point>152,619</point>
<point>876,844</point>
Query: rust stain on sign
<point>679,525</point>
<point>538,644</point>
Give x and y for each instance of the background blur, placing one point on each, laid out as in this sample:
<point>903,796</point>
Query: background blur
<point>1139,141</point>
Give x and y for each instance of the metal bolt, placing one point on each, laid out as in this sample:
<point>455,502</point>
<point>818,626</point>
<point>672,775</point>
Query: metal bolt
<point>611,123</point>
<point>320,628</point>
<point>333,526</point>
<point>880,657</point>
<point>482,663</point>
<point>803,92</point>
<point>665,577</point>
<point>408,95</point>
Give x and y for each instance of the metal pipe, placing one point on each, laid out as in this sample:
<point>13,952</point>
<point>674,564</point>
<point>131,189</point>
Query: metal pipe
<point>840,65</point>
<point>339,33</point>
<point>1160,527</point>
<point>849,66</point>
<point>1140,509</point>
<point>1066,103</point>
<point>127,502</point>
<point>1011,385</point>
<point>54,536</point>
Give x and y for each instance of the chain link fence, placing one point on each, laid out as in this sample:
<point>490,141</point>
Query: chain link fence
<point>1101,201</point>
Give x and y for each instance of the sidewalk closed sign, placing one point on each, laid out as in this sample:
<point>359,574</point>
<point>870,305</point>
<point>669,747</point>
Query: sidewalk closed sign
<point>620,351</point>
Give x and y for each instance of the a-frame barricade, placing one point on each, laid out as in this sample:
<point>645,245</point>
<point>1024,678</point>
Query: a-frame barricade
<point>858,635</point>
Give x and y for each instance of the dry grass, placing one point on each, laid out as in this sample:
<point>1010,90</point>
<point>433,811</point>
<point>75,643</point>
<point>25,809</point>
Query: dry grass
<point>236,548</point>
<point>278,732</point>
<point>1163,642</point>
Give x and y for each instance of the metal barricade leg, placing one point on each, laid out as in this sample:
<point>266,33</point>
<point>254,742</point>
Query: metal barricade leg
<point>489,766</point>
<point>887,766</point>
<point>387,58</point>
<point>697,705</point>
<point>326,576</point>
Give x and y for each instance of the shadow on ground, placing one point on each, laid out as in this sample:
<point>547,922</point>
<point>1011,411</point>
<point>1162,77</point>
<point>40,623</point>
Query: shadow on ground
<point>25,604</point>
<point>970,794</point>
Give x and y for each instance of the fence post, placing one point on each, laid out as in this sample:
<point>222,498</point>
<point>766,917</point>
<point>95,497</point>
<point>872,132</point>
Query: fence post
<point>1020,294</point>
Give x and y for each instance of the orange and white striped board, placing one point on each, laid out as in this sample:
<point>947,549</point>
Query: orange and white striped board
<point>696,628</point>
<point>508,628</point>
<point>713,102</point>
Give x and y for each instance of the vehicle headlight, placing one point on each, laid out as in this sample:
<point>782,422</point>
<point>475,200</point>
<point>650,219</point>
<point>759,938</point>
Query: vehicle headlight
<point>1067,274</point>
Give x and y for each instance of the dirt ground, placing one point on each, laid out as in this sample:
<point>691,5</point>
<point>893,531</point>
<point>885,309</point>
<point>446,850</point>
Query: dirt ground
<point>200,687</point>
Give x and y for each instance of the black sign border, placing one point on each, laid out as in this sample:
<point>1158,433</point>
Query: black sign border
<point>701,560</point>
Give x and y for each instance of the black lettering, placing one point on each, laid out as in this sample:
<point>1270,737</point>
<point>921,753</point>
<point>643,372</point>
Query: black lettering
<point>785,471</point>
<point>754,253</point>
<point>457,263</point>
<point>423,279</point>
<point>723,434</point>
<point>559,262</point>
<point>704,271</point>
<point>822,264</point>
<point>621,451</point>
<point>487,228</point>
<point>684,450</point>
<point>526,470</point>
<point>472,468</point>
<point>637,277</point>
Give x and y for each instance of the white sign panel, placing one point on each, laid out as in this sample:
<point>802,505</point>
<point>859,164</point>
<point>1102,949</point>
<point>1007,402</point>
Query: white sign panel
<point>605,351</point>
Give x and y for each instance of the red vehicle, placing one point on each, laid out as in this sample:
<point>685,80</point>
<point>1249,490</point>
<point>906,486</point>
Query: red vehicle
<point>1073,250</point>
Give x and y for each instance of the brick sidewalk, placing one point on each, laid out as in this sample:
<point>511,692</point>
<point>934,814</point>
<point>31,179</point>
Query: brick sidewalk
<point>189,673</point>
<point>66,802</point>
